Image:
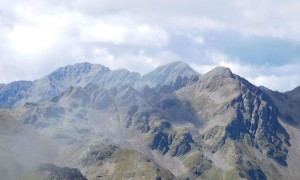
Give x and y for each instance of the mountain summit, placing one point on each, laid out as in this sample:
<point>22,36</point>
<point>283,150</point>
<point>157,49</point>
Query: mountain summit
<point>220,71</point>
<point>167,73</point>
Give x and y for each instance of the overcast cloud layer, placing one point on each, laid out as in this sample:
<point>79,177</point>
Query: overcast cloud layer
<point>257,40</point>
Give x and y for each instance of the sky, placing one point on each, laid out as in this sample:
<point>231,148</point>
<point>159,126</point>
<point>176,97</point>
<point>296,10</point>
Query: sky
<point>258,40</point>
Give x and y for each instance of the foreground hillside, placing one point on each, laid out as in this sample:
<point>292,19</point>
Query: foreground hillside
<point>172,123</point>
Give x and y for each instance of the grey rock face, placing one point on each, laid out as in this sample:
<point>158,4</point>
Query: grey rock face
<point>13,92</point>
<point>288,104</point>
<point>257,117</point>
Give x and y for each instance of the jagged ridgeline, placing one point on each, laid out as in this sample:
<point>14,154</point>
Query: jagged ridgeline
<point>85,121</point>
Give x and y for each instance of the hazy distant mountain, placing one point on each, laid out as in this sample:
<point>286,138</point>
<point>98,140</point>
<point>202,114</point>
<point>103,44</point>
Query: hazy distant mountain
<point>13,92</point>
<point>171,123</point>
<point>168,73</point>
<point>18,93</point>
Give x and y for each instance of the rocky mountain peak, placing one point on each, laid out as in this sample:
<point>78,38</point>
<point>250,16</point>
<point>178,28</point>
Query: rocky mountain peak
<point>176,67</point>
<point>220,72</point>
<point>176,64</point>
<point>167,73</point>
<point>74,71</point>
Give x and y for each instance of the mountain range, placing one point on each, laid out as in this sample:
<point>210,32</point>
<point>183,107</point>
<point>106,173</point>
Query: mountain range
<point>85,121</point>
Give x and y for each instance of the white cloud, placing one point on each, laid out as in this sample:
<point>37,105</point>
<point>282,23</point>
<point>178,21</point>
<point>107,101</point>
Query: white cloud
<point>102,32</point>
<point>200,23</point>
<point>37,31</point>
<point>279,83</point>
<point>133,34</point>
<point>30,40</point>
<point>199,40</point>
